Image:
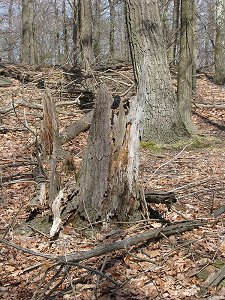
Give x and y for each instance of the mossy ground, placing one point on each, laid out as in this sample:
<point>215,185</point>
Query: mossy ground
<point>195,142</point>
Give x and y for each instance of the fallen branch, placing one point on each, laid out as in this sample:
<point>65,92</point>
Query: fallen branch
<point>216,279</point>
<point>35,105</point>
<point>216,106</point>
<point>111,247</point>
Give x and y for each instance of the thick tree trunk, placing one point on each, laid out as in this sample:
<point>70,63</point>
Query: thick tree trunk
<point>107,185</point>
<point>162,118</point>
<point>185,70</point>
<point>220,43</point>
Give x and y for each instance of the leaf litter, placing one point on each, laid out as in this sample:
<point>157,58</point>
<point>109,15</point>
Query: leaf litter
<point>171,268</point>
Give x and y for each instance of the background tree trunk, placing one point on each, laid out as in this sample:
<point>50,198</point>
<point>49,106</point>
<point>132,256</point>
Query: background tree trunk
<point>162,119</point>
<point>65,34</point>
<point>57,58</point>
<point>175,32</point>
<point>85,30</point>
<point>97,31</point>
<point>185,81</point>
<point>10,37</point>
<point>27,43</point>
<point>75,32</point>
<point>220,43</point>
<point>112,28</point>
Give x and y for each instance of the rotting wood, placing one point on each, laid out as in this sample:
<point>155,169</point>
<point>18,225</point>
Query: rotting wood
<point>51,143</point>
<point>158,197</point>
<point>108,183</point>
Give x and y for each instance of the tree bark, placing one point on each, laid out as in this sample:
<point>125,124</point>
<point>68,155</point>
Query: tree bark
<point>219,77</point>
<point>163,122</point>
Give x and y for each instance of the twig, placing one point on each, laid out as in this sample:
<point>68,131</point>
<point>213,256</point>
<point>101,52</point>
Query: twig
<point>169,161</point>
<point>38,231</point>
<point>97,272</point>
<point>28,251</point>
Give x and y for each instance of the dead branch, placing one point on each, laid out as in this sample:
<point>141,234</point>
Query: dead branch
<point>4,130</point>
<point>150,235</point>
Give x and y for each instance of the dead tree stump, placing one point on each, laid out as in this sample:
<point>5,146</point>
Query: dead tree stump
<point>107,186</point>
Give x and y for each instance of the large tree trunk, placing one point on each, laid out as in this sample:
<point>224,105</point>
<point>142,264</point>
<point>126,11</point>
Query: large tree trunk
<point>185,80</point>
<point>162,118</point>
<point>107,185</point>
<point>220,43</point>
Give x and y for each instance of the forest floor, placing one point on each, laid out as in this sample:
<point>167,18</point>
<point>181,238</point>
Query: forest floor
<point>174,267</point>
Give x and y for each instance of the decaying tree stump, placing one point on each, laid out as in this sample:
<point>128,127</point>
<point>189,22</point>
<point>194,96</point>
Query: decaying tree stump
<point>107,186</point>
